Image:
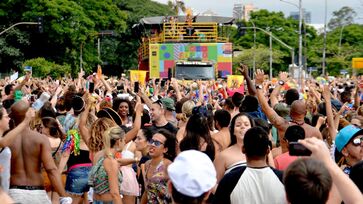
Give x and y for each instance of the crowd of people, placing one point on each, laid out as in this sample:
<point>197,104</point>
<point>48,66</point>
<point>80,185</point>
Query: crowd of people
<point>107,140</point>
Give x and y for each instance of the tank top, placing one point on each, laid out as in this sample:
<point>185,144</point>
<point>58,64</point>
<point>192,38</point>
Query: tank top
<point>156,186</point>
<point>127,154</point>
<point>98,178</point>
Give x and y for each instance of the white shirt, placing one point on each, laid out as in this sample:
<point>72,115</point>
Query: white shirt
<point>258,185</point>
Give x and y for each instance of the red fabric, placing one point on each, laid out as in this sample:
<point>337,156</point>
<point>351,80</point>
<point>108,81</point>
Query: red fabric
<point>283,161</point>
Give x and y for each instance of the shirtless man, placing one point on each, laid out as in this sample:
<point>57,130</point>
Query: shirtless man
<point>29,150</point>
<point>297,115</point>
<point>222,138</point>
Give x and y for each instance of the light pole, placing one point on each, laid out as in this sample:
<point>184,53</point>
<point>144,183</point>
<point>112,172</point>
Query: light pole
<point>324,46</point>
<point>277,39</point>
<point>254,47</point>
<point>102,33</point>
<point>20,23</point>
<point>300,35</point>
<point>300,40</point>
<point>270,55</point>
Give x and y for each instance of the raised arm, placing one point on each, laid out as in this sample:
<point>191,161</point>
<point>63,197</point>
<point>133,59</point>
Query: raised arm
<point>8,139</point>
<point>106,84</point>
<point>26,79</point>
<point>274,95</point>
<point>175,85</point>
<point>356,96</point>
<point>272,116</point>
<point>83,130</point>
<point>130,135</point>
<point>348,191</point>
<point>243,69</point>
<point>329,112</point>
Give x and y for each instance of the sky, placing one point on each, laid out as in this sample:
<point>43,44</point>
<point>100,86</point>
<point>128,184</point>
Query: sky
<point>316,7</point>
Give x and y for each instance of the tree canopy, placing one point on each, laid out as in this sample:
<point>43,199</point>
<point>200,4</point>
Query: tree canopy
<point>72,28</point>
<point>286,29</point>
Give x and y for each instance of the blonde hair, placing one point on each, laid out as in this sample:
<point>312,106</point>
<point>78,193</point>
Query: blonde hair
<point>95,142</point>
<point>187,108</point>
<point>110,137</point>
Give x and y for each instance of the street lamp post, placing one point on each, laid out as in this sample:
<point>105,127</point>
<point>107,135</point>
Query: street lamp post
<point>300,35</point>
<point>270,55</point>
<point>254,47</point>
<point>20,23</point>
<point>275,38</point>
<point>102,33</point>
<point>300,40</point>
<point>324,46</point>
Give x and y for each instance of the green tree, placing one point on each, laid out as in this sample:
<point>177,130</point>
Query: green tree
<point>43,68</point>
<point>286,29</point>
<point>177,6</point>
<point>342,17</point>
<point>262,58</point>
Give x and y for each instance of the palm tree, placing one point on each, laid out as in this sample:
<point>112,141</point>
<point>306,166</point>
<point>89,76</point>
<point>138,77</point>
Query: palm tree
<point>177,6</point>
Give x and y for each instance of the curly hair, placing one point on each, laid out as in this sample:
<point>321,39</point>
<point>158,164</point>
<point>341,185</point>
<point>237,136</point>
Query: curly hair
<point>98,128</point>
<point>117,102</point>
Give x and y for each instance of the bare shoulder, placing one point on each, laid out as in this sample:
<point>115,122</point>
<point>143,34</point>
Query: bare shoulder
<point>110,163</point>
<point>225,153</point>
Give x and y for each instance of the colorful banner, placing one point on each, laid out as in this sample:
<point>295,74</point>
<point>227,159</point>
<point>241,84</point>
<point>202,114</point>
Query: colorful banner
<point>164,56</point>
<point>357,63</point>
<point>234,81</point>
<point>138,75</point>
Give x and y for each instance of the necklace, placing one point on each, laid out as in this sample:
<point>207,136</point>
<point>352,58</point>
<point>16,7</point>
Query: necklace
<point>297,123</point>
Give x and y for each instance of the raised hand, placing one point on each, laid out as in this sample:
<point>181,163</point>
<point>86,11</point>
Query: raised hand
<point>243,69</point>
<point>139,108</point>
<point>283,76</point>
<point>260,76</point>
<point>326,92</point>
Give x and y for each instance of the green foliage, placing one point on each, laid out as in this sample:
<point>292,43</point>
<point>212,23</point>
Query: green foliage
<point>177,6</point>
<point>286,29</point>
<point>262,58</point>
<point>342,17</point>
<point>70,26</point>
<point>43,68</point>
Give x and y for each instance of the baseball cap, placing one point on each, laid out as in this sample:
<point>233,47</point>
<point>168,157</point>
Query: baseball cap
<point>345,135</point>
<point>192,173</point>
<point>168,103</point>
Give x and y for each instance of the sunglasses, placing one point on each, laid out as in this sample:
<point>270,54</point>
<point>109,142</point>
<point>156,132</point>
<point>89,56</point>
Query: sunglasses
<point>357,141</point>
<point>155,143</point>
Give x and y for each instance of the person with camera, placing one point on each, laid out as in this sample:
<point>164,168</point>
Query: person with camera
<point>318,179</point>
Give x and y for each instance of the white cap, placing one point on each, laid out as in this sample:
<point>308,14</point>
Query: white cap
<point>192,173</point>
